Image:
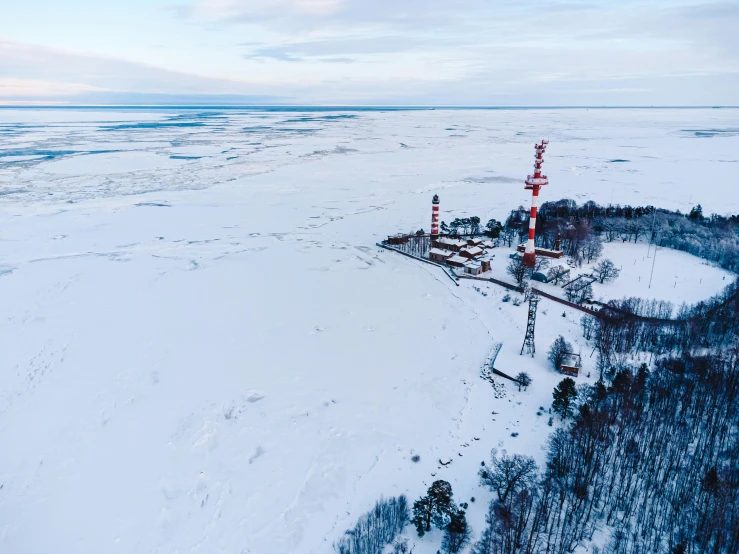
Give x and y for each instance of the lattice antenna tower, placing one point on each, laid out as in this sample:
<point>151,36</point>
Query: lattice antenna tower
<point>534,183</point>
<point>528,341</point>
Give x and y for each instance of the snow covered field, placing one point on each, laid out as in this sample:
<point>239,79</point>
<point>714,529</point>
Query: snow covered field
<point>204,350</point>
<point>676,277</point>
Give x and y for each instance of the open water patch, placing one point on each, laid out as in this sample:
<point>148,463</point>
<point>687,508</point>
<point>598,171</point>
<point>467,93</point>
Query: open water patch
<point>200,115</point>
<point>30,156</point>
<point>492,179</point>
<point>708,133</point>
<point>153,125</point>
<point>319,118</point>
<point>153,205</point>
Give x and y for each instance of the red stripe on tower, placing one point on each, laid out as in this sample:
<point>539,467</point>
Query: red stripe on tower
<point>435,216</point>
<point>534,183</point>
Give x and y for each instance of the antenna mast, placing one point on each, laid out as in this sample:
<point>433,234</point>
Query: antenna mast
<point>528,341</point>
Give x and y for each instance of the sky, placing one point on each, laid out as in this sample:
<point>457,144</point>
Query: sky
<point>370,52</point>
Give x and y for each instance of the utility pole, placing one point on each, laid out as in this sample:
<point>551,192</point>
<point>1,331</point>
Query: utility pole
<point>651,235</point>
<point>653,260</point>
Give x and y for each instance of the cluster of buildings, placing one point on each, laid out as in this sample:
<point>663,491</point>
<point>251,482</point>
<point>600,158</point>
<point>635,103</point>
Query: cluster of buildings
<point>468,255</point>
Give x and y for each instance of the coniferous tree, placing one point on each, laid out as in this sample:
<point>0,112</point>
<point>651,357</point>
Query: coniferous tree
<point>564,396</point>
<point>456,533</point>
<point>435,508</point>
<point>493,228</point>
<point>696,213</point>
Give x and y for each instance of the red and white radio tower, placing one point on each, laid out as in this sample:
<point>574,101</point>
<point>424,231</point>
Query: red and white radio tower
<point>435,217</point>
<point>533,182</point>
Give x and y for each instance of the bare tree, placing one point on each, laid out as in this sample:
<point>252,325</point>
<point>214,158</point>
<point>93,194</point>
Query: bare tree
<point>606,271</point>
<point>524,380</point>
<point>592,248</point>
<point>557,274</point>
<point>557,352</point>
<point>516,270</point>
<point>375,529</point>
<point>579,292</point>
<point>541,263</point>
<point>508,474</point>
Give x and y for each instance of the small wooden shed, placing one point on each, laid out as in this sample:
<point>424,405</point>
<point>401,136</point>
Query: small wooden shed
<point>570,365</point>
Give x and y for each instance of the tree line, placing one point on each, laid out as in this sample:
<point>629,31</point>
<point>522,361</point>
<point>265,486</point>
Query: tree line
<point>650,454</point>
<point>714,237</point>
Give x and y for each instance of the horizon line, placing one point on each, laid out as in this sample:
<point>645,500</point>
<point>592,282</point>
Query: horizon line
<point>353,106</point>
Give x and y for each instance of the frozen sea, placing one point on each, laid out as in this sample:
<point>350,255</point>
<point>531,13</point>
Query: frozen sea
<point>204,351</point>
<point>670,157</point>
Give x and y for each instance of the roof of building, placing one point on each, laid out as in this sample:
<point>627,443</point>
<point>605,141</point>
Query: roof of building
<point>452,242</point>
<point>473,250</point>
<point>473,264</point>
<point>572,360</point>
<point>440,252</point>
<point>457,259</point>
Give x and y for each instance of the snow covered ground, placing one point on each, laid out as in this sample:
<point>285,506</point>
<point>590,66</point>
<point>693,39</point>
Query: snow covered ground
<point>677,277</point>
<point>204,350</point>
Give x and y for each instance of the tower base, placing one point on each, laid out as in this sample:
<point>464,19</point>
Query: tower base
<point>529,259</point>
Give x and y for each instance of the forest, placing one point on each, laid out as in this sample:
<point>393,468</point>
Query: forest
<point>581,228</point>
<point>651,453</point>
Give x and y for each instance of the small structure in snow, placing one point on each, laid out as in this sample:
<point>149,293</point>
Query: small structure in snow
<point>546,252</point>
<point>474,242</point>
<point>456,261</point>
<point>570,365</point>
<point>471,252</point>
<point>398,239</point>
<point>473,268</point>
<point>446,243</point>
<point>439,255</point>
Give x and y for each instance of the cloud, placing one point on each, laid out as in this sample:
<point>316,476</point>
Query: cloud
<point>14,88</point>
<point>327,50</point>
<point>251,10</point>
<point>337,60</point>
<point>84,77</point>
<point>405,51</point>
<point>356,16</point>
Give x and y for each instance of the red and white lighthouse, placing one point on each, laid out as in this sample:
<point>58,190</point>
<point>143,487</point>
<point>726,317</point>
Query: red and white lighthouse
<point>533,183</point>
<point>435,217</point>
